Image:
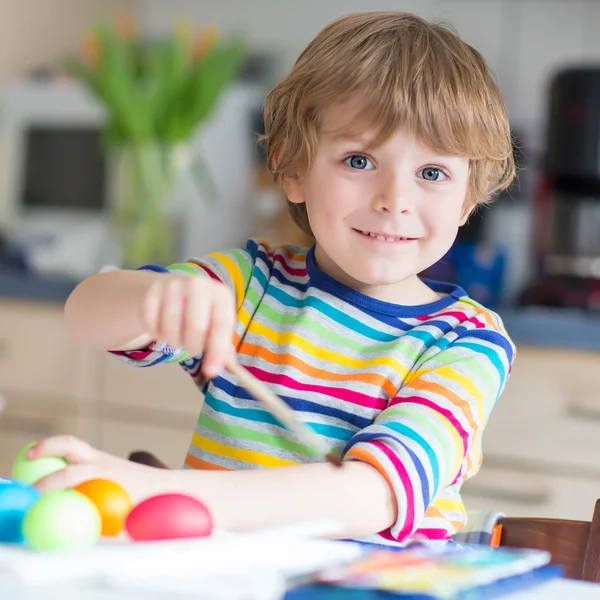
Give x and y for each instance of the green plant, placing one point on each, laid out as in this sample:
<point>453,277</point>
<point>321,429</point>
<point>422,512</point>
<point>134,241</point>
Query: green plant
<point>155,92</point>
<point>155,95</point>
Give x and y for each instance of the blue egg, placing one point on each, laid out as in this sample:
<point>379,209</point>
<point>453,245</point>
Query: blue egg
<point>16,499</point>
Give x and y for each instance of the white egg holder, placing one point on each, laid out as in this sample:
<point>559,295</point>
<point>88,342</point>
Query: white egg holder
<point>269,556</point>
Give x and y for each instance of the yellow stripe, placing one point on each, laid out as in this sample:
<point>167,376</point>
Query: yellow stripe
<point>465,382</point>
<point>292,339</point>
<point>234,271</point>
<point>449,505</point>
<point>248,456</point>
<point>244,317</point>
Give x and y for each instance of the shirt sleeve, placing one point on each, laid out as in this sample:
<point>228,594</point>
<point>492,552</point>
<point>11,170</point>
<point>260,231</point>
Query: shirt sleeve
<point>429,436</point>
<point>233,268</point>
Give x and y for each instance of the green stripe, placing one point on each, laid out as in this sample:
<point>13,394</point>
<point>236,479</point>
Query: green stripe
<point>252,296</point>
<point>241,259</point>
<point>323,332</point>
<point>188,269</point>
<point>254,436</point>
<point>424,422</point>
<point>474,366</point>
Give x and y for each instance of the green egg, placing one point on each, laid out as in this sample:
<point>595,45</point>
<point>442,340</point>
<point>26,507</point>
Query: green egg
<point>62,520</point>
<point>30,471</point>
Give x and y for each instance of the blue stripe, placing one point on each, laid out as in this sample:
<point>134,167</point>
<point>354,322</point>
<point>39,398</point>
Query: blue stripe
<point>258,415</point>
<point>251,414</point>
<point>365,436</point>
<point>340,318</point>
<point>260,277</point>
<point>331,431</point>
<point>296,404</point>
<point>491,354</point>
<point>443,325</point>
<point>411,434</point>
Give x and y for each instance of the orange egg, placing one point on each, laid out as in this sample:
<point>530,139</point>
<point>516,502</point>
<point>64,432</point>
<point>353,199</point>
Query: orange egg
<point>111,500</point>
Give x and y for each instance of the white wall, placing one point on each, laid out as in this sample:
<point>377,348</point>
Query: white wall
<point>36,34</point>
<point>523,40</point>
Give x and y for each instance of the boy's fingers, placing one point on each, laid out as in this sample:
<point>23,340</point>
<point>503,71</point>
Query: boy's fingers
<point>218,348</point>
<point>68,477</point>
<point>151,309</point>
<point>171,312</point>
<point>196,318</point>
<point>72,449</point>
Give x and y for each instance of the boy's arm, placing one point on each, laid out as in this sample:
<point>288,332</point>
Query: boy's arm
<point>105,310</point>
<point>356,496</point>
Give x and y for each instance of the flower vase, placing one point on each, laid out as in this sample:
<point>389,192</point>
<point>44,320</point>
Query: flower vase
<point>144,220</point>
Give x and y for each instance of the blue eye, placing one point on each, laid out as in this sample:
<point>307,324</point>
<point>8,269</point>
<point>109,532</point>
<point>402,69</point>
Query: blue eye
<point>432,174</point>
<point>358,161</point>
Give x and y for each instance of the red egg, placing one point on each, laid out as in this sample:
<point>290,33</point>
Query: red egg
<point>168,517</point>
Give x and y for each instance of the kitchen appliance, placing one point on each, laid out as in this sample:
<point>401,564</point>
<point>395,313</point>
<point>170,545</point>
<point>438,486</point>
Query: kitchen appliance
<point>567,203</point>
<point>56,183</point>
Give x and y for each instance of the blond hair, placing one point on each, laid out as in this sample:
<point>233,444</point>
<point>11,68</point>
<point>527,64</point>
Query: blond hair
<point>405,72</point>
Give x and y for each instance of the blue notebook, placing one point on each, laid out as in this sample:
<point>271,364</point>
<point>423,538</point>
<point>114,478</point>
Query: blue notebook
<point>426,572</point>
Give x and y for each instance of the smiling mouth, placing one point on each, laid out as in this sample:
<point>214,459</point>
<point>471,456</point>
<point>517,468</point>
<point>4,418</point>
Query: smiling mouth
<point>384,238</point>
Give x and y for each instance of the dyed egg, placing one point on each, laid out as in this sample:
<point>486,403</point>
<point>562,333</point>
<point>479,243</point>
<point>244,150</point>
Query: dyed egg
<point>16,499</point>
<point>169,516</point>
<point>30,471</point>
<point>111,500</point>
<point>62,520</point>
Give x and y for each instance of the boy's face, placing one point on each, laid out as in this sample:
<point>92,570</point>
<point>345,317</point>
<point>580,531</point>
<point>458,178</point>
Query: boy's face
<point>401,190</point>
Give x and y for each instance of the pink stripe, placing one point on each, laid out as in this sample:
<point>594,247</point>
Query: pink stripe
<point>432,534</point>
<point>210,273</point>
<point>387,535</point>
<point>289,269</point>
<point>442,411</point>
<point>342,394</point>
<point>461,316</point>
<point>135,354</point>
<point>196,370</point>
<point>409,518</point>
<point>428,534</point>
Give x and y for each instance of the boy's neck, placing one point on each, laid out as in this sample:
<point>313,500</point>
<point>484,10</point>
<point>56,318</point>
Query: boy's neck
<point>408,292</point>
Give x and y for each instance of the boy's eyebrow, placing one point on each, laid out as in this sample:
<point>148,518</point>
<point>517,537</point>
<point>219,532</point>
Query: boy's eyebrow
<point>341,136</point>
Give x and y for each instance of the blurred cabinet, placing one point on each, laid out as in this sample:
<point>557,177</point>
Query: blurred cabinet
<point>542,444</point>
<point>50,385</point>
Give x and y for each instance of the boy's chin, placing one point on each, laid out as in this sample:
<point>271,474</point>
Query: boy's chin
<point>380,278</point>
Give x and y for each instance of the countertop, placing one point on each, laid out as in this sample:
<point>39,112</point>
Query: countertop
<point>15,283</point>
<point>553,327</point>
<point>535,326</point>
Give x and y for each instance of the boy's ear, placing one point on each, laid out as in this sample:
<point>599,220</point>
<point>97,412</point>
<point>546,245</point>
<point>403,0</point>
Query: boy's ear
<point>293,188</point>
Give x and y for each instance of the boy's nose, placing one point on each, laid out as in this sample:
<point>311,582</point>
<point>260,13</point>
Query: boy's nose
<point>394,197</point>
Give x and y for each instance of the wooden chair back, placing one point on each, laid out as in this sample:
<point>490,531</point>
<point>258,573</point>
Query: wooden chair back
<point>575,545</point>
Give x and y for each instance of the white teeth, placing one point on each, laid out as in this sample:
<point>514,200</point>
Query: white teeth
<point>384,238</point>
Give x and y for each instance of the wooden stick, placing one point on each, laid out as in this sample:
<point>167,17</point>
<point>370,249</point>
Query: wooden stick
<point>280,409</point>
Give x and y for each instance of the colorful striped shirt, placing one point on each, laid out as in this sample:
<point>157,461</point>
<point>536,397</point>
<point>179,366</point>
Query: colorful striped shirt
<point>406,389</point>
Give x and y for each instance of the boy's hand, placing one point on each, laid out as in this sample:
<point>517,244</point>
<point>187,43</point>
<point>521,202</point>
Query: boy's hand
<point>194,313</point>
<point>85,463</point>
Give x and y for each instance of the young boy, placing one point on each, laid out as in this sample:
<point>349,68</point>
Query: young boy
<point>385,135</point>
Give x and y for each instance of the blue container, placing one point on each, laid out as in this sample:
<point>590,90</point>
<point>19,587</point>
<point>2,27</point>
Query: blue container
<point>16,499</point>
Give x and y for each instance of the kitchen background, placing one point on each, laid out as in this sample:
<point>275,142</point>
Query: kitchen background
<point>534,254</point>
